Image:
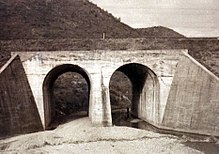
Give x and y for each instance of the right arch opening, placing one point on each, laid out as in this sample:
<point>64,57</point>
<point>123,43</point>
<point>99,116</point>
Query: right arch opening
<point>134,89</point>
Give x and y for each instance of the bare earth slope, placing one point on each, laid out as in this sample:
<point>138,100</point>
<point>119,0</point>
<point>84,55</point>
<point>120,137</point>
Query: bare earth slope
<point>79,137</point>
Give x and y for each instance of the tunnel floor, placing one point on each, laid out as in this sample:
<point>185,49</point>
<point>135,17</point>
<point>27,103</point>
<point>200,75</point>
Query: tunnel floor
<point>64,119</point>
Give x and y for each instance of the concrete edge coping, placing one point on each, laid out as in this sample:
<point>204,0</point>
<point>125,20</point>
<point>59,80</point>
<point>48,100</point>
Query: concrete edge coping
<point>169,51</point>
<point>29,54</point>
<point>8,63</point>
<point>201,66</point>
<point>162,128</point>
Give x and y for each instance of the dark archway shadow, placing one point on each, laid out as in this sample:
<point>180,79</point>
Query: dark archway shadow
<point>120,98</point>
<point>57,96</point>
<point>143,85</point>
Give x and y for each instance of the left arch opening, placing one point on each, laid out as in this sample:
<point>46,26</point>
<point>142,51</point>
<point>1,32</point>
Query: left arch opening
<point>66,91</point>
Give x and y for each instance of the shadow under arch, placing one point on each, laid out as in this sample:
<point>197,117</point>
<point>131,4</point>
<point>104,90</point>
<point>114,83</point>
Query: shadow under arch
<point>48,99</point>
<point>145,92</point>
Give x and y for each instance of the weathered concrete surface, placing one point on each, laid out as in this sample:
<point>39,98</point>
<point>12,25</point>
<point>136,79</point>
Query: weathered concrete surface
<point>193,102</point>
<point>18,111</point>
<point>99,67</point>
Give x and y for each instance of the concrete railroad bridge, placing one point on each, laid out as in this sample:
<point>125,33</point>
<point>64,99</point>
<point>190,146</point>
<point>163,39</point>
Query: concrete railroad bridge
<point>171,89</point>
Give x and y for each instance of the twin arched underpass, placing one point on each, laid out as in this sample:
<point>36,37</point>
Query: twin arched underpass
<point>133,91</point>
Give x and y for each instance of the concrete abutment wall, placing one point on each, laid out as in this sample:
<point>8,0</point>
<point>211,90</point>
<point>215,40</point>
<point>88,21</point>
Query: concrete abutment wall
<point>193,102</point>
<point>18,111</point>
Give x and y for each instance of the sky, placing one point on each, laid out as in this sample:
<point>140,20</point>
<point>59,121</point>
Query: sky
<point>192,18</point>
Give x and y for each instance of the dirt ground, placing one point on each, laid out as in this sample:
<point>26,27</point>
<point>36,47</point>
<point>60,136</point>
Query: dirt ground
<point>79,136</point>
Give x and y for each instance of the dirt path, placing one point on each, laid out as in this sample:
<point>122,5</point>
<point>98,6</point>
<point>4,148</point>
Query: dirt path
<point>79,137</point>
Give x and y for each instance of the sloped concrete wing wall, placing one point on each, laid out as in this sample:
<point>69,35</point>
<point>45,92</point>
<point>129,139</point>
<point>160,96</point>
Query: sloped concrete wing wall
<point>193,102</point>
<point>18,111</point>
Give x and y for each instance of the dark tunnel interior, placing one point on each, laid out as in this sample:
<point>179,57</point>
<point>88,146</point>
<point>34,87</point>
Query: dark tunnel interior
<point>126,83</point>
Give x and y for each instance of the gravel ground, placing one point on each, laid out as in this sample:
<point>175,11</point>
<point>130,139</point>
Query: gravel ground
<point>79,136</point>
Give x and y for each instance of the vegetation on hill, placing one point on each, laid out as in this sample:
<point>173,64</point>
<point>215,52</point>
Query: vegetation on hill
<point>31,19</point>
<point>57,19</point>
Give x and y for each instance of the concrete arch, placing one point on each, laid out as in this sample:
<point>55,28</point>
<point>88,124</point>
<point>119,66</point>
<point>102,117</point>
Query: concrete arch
<point>145,91</point>
<point>50,78</point>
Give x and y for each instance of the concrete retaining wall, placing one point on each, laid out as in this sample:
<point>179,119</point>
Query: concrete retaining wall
<point>193,102</point>
<point>18,111</point>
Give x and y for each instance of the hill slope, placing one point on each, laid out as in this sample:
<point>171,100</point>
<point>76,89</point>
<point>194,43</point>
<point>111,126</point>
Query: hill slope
<point>28,19</point>
<point>56,19</point>
<point>158,31</point>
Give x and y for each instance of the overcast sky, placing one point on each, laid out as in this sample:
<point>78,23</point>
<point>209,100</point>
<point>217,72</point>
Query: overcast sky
<point>192,18</point>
